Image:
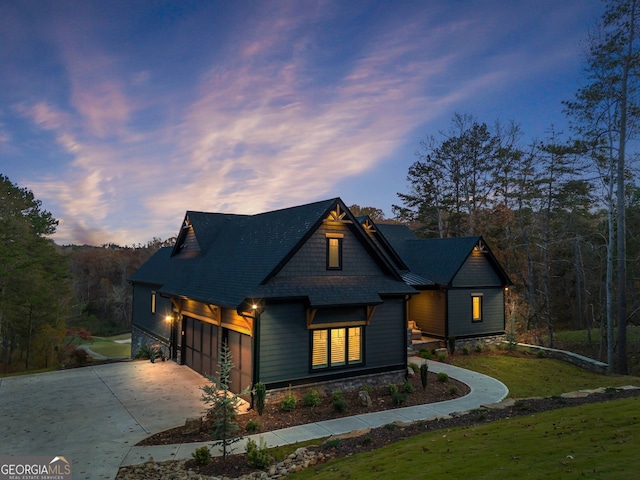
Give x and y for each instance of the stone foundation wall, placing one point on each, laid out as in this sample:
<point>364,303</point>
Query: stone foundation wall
<point>345,385</point>
<point>140,338</point>
<point>484,341</point>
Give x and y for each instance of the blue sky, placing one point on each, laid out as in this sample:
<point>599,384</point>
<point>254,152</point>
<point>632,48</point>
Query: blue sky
<point>122,115</point>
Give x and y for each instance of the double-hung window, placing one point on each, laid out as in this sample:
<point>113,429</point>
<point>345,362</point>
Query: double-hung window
<point>336,347</point>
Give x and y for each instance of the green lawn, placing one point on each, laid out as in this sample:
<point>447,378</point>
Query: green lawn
<point>633,335</point>
<point>108,346</point>
<point>596,441</point>
<point>538,377</point>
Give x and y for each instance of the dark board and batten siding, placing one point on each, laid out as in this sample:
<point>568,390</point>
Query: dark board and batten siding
<point>459,303</point>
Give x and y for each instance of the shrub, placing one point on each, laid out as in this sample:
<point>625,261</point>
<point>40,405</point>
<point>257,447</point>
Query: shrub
<point>253,426</point>
<point>78,356</point>
<point>443,377</point>
<point>398,398</point>
<point>478,348</point>
<point>391,426</point>
<point>442,357</point>
<point>145,352</point>
<point>451,341</point>
<point>366,441</point>
<point>339,403</point>
<point>408,388</point>
<point>257,455</point>
<point>261,395</point>
<point>393,388</point>
<point>367,388</point>
<point>333,443</point>
<point>426,354</point>
<point>202,455</point>
<point>414,367</point>
<point>312,399</point>
<point>424,375</point>
<point>541,354</point>
<point>453,390</point>
<point>289,402</point>
<point>466,350</point>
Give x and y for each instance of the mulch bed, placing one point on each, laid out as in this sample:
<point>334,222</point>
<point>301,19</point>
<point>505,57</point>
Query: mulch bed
<point>274,418</point>
<point>236,465</point>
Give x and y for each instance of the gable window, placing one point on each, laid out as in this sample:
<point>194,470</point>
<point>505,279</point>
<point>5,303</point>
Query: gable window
<point>336,347</point>
<point>153,302</point>
<point>334,251</point>
<point>476,307</point>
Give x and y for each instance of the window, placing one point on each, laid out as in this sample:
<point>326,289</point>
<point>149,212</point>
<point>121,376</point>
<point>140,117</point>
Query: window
<point>336,347</point>
<point>476,307</point>
<point>334,251</point>
<point>153,302</point>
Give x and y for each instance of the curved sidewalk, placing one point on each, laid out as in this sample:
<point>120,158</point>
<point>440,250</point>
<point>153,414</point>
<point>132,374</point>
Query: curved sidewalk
<point>484,390</point>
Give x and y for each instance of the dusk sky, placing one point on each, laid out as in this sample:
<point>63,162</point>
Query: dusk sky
<point>122,115</point>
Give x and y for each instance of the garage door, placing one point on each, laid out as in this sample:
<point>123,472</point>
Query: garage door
<point>202,343</point>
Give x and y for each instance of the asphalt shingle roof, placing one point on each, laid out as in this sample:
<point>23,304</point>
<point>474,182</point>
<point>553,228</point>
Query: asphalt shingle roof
<point>239,252</point>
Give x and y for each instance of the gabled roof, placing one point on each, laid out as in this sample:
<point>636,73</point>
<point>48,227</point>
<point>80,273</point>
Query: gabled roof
<point>435,259</point>
<point>237,256</point>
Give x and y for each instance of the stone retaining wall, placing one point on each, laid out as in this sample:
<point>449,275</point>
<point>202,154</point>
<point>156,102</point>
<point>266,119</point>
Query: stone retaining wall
<point>578,360</point>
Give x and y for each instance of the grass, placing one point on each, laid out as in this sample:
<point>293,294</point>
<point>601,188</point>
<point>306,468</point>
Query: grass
<point>581,336</point>
<point>591,441</point>
<point>108,346</point>
<point>538,377</point>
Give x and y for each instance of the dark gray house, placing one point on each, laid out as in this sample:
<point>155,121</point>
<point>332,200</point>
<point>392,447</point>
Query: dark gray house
<point>300,295</point>
<point>462,286</point>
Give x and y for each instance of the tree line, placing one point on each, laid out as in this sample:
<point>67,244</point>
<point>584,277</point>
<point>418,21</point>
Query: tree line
<point>52,297</point>
<point>561,212</point>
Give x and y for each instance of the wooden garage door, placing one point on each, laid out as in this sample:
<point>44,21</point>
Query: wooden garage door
<point>202,346</point>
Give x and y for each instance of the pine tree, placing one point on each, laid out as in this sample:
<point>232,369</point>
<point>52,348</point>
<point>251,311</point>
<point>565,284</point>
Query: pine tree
<point>224,403</point>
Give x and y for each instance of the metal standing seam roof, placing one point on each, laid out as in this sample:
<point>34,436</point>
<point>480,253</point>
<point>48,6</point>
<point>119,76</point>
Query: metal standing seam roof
<point>238,252</point>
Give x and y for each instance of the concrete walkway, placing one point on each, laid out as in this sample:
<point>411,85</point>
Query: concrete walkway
<point>484,390</point>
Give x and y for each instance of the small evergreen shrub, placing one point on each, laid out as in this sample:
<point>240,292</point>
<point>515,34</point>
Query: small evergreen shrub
<point>443,377</point>
<point>289,402</point>
<point>414,367</point>
<point>367,388</point>
<point>257,455</point>
<point>466,350</point>
<point>391,426</point>
<point>442,357</point>
<point>393,388</point>
<point>333,443</point>
<point>261,395</point>
<point>398,398</point>
<point>312,399</point>
<point>407,387</point>
<point>541,354</point>
<point>453,390</point>
<point>478,348</point>
<point>339,403</point>
<point>253,426</point>
<point>366,440</point>
<point>424,375</point>
<point>202,455</point>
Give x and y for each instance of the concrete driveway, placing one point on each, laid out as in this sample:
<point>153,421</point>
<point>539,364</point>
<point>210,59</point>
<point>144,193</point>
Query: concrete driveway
<point>94,415</point>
